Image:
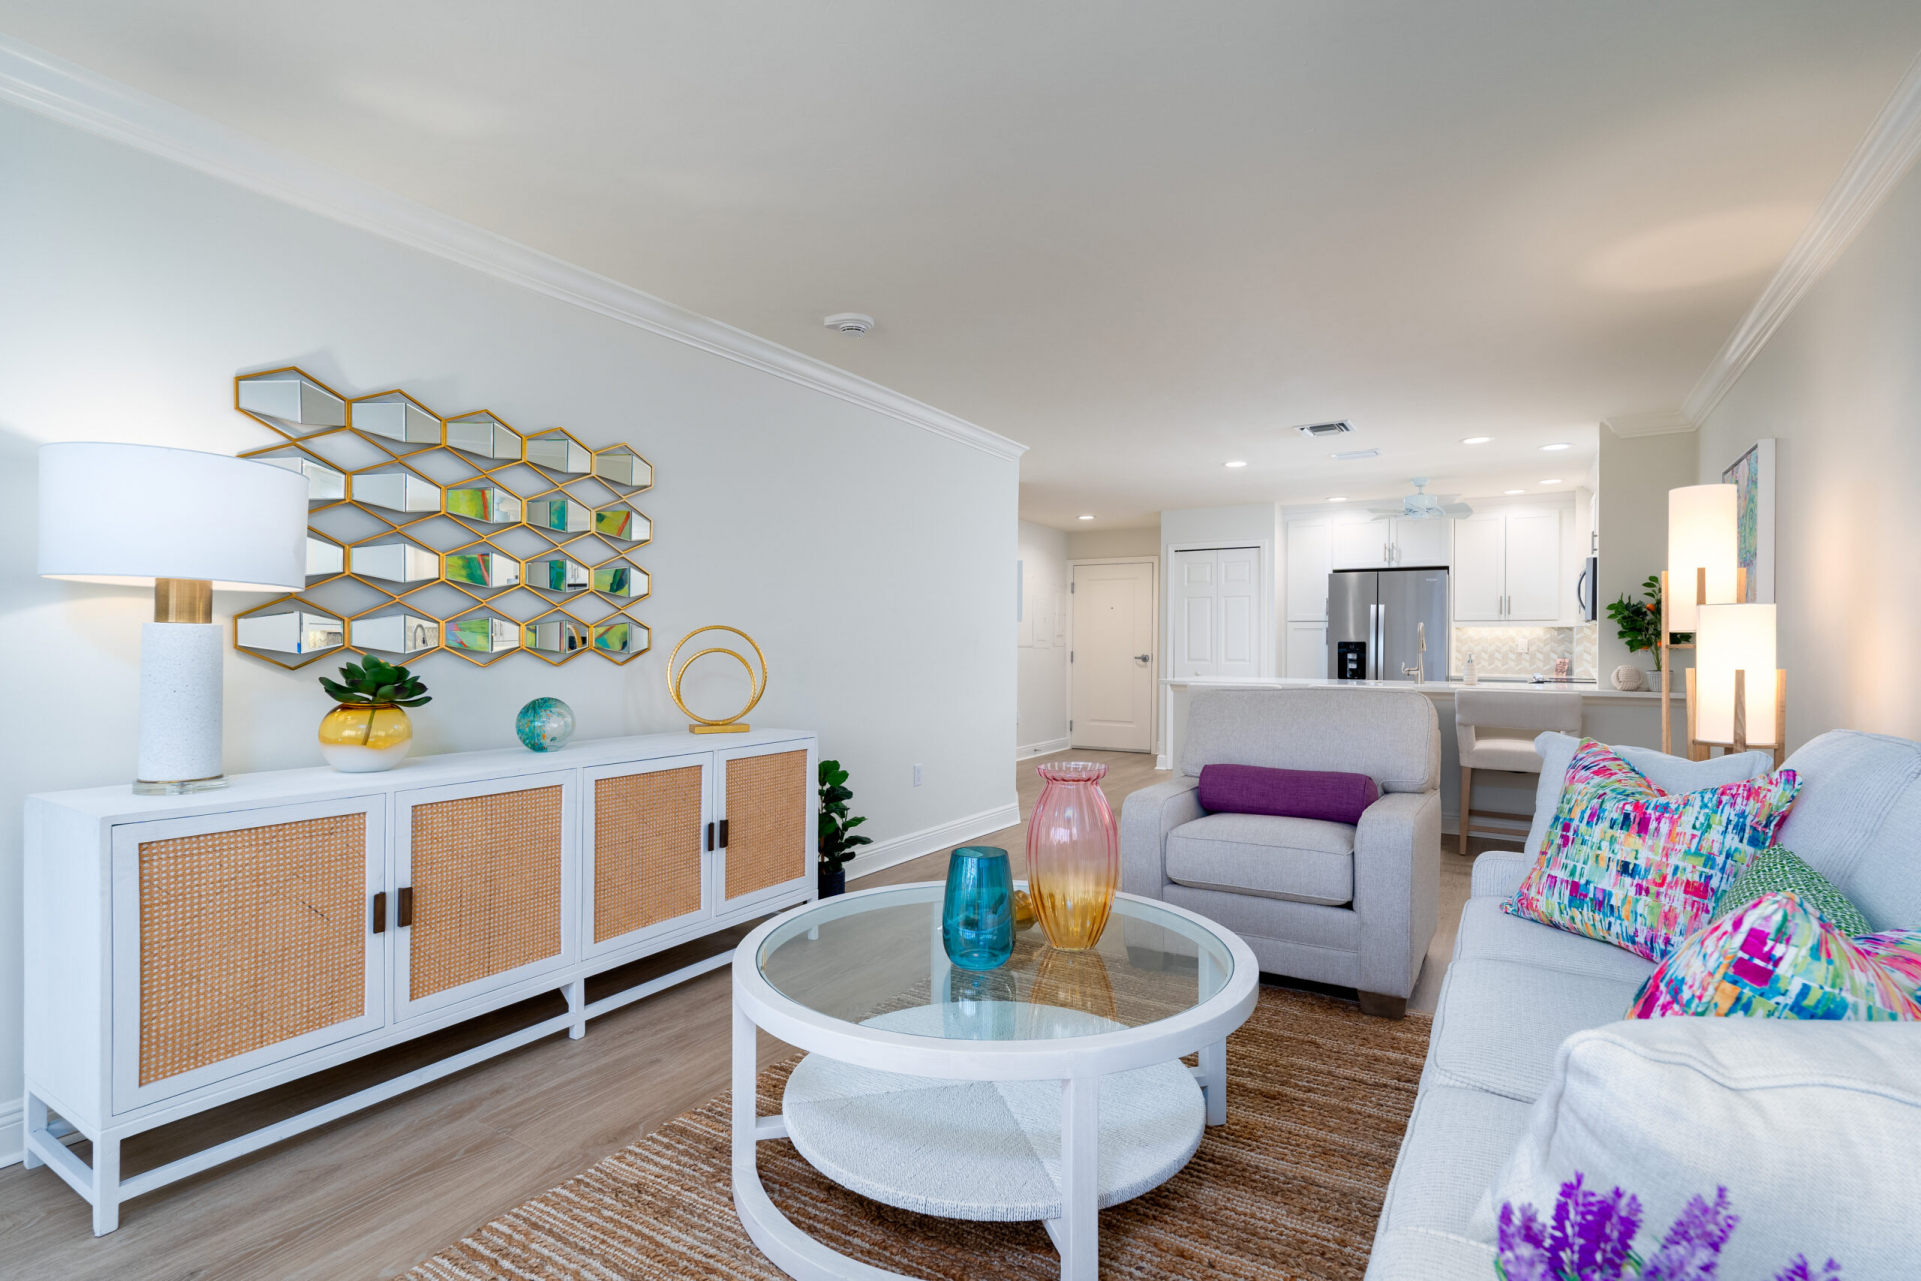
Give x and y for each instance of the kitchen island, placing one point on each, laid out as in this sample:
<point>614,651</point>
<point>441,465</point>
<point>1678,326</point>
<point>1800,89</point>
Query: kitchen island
<point>1610,715</point>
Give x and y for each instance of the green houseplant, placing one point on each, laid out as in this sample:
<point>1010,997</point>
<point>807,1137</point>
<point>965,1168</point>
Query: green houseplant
<point>368,728</point>
<point>1640,620</point>
<point>837,842</point>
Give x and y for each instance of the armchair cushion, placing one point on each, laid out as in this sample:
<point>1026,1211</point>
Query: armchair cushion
<point>1302,859</point>
<point>1329,795</point>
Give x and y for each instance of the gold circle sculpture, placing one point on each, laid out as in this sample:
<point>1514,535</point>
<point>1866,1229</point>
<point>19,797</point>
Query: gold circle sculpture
<point>675,670</point>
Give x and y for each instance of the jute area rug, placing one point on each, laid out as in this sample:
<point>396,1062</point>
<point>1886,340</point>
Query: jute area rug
<point>1318,1096</point>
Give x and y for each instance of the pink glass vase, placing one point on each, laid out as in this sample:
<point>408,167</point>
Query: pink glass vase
<point>1073,855</point>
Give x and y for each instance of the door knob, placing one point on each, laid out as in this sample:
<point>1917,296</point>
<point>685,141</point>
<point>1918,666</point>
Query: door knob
<point>1143,658</point>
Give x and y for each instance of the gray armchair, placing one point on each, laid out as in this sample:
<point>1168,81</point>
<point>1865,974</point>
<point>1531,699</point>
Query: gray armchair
<point>1352,906</point>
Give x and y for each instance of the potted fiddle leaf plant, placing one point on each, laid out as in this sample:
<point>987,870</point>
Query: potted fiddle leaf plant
<point>837,842</point>
<point>368,728</point>
<point>1639,621</point>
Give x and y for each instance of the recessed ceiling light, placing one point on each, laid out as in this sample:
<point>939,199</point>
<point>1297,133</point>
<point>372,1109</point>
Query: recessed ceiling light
<point>1087,518</point>
<point>1355,455</point>
<point>1514,491</point>
<point>1552,480</point>
<point>1337,500</point>
<point>1239,462</point>
<point>1548,449</point>
<point>1476,440</point>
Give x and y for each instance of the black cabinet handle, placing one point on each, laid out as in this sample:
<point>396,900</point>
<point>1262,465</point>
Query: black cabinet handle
<point>380,912</point>
<point>723,833</point>
<point>404,909</point>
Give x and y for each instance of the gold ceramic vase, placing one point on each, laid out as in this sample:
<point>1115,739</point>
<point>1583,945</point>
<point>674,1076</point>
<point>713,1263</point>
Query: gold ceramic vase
<point>360,738</point>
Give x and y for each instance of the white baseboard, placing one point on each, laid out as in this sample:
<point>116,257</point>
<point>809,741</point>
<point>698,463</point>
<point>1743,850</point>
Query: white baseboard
<point>885,854</point>
<point>13,1134</point>
<point>1163,762</point>
<point>1046,748</point>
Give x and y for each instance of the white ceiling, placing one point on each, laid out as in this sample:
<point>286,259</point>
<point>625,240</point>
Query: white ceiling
<point>1142,238</point>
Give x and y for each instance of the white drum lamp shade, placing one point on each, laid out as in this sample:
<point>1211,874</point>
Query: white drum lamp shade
<point>1701,535</point>
<point>1727,639</point>
<point>144,514</point>
<point>133,513</point>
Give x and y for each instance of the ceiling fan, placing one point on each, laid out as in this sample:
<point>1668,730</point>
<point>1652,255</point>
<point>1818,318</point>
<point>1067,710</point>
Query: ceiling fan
<point>1421,506</point>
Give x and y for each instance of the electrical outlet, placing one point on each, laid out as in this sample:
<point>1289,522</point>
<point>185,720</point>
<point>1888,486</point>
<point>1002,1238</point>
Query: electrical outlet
<point>917,776</point>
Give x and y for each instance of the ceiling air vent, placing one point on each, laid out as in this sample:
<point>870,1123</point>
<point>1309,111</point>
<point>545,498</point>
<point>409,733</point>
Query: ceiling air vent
<point>1324,429</point>
<point>1355,455</point>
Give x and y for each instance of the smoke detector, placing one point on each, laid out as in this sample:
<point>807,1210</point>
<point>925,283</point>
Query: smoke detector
<point>849,322</point>
<point>1324,429</point>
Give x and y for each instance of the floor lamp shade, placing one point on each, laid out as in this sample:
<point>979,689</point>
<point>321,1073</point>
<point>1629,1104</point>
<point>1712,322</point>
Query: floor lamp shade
<point>1701,535</point>
<point>1727,639</point>
<point>134,513</point>
<point>186,522</point>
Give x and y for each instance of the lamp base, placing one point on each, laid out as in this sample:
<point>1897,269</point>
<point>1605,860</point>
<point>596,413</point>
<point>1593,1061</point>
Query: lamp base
<point>177,786</point>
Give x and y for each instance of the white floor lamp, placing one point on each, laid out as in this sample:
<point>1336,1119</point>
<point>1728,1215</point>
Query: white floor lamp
<point>189,523</point>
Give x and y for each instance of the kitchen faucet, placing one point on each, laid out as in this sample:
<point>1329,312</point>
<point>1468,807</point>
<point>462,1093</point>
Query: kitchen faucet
<point>1420,661</point>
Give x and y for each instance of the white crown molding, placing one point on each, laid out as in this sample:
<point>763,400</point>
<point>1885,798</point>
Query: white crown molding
<point>73,95</point>
<point>1663,422</point>
<point>1891,145</point>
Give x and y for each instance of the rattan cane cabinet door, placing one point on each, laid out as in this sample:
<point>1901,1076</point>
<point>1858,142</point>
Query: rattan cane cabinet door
<point>647,865</point>
<point>491,867</point>
<point>242,940</point>
<point>768,801</point>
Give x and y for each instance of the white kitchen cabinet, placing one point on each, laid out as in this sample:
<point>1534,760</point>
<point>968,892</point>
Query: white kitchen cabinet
<point>1360,544</point>
<point>1307,570</point>
<point>1307,650</point>
<point>1507,566</point>
<point>1420,542</point>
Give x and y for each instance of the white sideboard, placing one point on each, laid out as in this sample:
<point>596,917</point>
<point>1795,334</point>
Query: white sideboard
<point>184,952</point>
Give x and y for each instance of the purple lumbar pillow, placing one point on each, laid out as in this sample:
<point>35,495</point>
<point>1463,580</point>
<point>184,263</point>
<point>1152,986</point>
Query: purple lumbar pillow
<point>1286,793</point>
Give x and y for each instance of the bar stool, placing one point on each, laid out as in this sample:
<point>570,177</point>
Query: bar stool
<point>1496,729</point>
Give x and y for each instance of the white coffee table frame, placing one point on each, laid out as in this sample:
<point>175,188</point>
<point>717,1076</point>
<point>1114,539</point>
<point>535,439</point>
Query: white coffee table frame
<point>1078,1063</point>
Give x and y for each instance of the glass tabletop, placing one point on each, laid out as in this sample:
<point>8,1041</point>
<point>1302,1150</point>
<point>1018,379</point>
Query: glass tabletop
<point>871,958</point>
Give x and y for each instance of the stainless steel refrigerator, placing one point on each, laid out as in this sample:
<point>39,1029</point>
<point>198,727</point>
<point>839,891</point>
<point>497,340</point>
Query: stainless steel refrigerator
<point>1377,619</point>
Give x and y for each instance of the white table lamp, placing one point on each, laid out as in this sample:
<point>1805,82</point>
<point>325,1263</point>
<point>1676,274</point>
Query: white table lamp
<point>189,523</point>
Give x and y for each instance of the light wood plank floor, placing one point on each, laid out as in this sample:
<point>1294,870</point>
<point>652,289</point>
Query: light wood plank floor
<point>373,1194</point>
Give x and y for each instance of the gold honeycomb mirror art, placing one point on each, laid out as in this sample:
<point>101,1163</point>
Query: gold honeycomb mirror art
<point>455,534</point>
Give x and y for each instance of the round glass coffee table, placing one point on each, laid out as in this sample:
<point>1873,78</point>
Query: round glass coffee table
<point>1047,1089</point>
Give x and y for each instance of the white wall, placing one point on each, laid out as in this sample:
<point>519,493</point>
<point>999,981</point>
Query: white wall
<point>1098,544</point>
<point>869,557</point>
<point>1631,515</point>
<point>1839,386</point>
<point>1041,641</point>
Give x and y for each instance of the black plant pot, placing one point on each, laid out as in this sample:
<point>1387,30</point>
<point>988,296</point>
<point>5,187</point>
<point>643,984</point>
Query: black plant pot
<point>833,880</point>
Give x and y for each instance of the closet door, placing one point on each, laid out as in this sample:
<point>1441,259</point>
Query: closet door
<point>484,887</point>
<point>1196,629</point>
<point>1239,612</point>
<point>768,811</point>
<point>241,940</point>
<point>648,850</point>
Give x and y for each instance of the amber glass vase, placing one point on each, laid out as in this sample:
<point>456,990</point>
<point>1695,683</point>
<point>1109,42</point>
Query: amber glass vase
<point>1073,855</point>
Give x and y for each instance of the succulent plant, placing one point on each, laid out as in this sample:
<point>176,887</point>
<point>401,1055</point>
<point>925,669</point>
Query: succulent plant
<point>374,680</point>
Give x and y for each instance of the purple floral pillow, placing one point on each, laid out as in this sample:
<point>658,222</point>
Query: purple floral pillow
<point>1591,1238</point>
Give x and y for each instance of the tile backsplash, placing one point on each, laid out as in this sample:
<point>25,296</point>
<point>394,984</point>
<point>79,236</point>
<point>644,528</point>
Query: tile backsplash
<point>1527,651</point>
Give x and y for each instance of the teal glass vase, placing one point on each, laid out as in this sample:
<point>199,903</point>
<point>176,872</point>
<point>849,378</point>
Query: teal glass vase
<point>977,912</point>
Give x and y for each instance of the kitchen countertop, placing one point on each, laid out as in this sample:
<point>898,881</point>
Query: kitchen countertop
<point>1433,689</point>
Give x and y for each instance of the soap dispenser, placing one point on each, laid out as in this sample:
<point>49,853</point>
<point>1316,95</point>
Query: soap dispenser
<point>1467,671</point>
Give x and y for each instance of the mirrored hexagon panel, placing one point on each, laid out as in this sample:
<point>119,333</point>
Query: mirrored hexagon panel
<point>622,466</point>
<point>556,574</point>
<point>483,504</point>
<point>624,522</point>
<point>480,636</point>
<point>394,631</point>
<point>396,489</point>
<point>556,636</point>
<point>622,580</point>
<point>291,401</point>
<point>621,638</point>
<point>289,631</point>
<point>480,569</point>
<point>325,558</point>
<point>485,436</point>
<point>395,560</point>
<point>402,423</point>
<point>557,451</point>
<point>326,484</point>
<point>557,514</point>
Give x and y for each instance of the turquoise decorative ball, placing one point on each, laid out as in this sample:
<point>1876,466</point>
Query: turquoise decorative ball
<point>545,725</point>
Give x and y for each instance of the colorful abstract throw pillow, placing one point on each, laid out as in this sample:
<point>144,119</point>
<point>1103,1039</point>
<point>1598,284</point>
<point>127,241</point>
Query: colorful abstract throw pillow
<point>1631,865</point>
<point>1779,958</point>
<point>1778,871</point>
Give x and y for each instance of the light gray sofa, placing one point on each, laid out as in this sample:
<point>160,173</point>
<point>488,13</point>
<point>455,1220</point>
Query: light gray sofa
<point>1530,1019</point>
<point>1349,905</point>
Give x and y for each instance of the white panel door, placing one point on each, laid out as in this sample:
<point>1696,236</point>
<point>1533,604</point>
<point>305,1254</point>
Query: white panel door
<point>1421,542</point>
<point>1196,584</point>
<point>1360,544</point>
<point>1479,567</point>
<point>1239,618</point>
<point>1307,650</point>
<point>1307,567</point>
<point>1112,667</point>
<point>1534,566</point>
